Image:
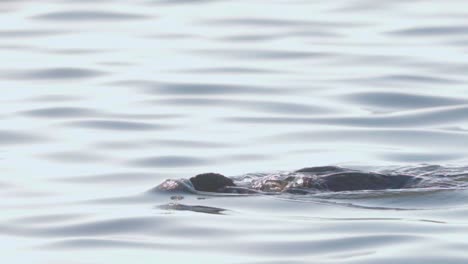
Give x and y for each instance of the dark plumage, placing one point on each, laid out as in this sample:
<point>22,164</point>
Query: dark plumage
<point>325,178</point>
<point>211,182</point>
<point>353,181</point>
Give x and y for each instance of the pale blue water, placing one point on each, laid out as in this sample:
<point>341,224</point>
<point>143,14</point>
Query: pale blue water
<point>104,100</point>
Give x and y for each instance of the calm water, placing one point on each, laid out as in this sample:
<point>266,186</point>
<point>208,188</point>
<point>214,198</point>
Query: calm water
<point>103,100</point>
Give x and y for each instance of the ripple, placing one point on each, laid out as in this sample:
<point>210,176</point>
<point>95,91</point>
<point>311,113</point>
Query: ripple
<point>82,112</point>
<point>432,31</point>
<point>30,33</point>
<point>415,79</point>
<point>92,243</point>
<point>173,36</point>
<point>247,157</point>
<point>88,16</point>
<point>273,22</point>
<point>398,101</point>
<point>415,118</point>
<point>75,157</point>
<point>421,157</point>
<point>48,219</point>
<point>326,246</point>
<point>183,2</point>
<point>262,54</point>
<point>121,177</point>
<point>197,88</point>
<point>370,6</point>
<point>93,228</point>
<point>56,73</point>
<point>173,143</point>
<point>13,137</point>
<point>231,70</point>
<point>136,92</point>
<point>403,80</point>
<point>60,112</point>
<point>448,258</point>
<point>389,137</point>
<point>76,51</point>
<point>55,98</point>
<point>15,47</point>
<point>5,185</point>
<point>279,36</point>
<point>115,125</point>
<point>264,106</point>
<point>169,161</point>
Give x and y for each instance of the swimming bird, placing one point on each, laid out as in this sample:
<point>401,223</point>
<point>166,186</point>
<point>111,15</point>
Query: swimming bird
<point>325,178</point>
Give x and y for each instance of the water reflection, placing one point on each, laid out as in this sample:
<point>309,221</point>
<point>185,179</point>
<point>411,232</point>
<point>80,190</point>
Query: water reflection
<point>192,208</point>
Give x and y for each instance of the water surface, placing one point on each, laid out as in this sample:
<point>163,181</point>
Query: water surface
<point>104,100</point>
